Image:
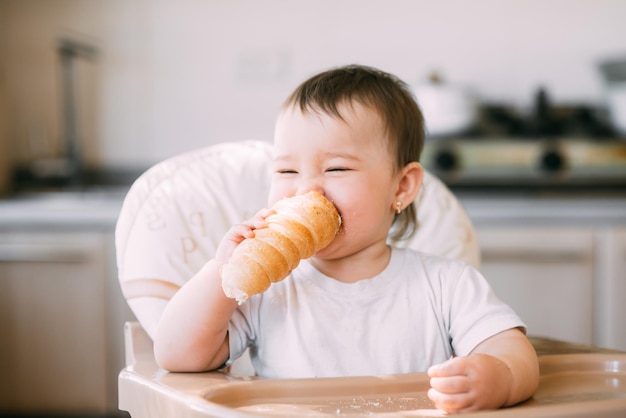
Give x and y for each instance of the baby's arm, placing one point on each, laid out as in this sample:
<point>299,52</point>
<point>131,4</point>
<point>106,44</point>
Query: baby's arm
<point>501,371</point>
<point>192,334</point>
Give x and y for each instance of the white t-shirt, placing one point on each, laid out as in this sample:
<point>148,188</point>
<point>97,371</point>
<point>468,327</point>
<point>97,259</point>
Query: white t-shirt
<point>418,312</point>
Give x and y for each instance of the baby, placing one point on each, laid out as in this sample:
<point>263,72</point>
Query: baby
<point>359,306</point>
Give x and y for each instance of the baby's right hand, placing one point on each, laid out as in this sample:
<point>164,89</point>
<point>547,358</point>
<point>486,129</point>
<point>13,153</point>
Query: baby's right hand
<point>237,233</point>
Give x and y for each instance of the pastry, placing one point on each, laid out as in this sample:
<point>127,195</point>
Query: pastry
<point>298,227</point>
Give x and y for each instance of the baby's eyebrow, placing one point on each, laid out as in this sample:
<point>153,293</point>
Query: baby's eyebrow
<point>335,154</point>
<point>326,155</point>
<point>282,158</point>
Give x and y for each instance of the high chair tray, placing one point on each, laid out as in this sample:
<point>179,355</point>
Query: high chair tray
<point>572,385</point>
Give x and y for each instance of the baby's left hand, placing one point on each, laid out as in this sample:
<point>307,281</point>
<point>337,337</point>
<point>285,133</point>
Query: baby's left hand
<point>237,233</point>
<point>465,384</point>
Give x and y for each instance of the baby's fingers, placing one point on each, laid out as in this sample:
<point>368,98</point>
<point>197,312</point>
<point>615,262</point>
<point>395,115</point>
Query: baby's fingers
<point>258,221</point>
<point>450,385</point>
<point>453,367</point>
<point>240,232</point>
<point>235,235</point>
<point>449,403</point>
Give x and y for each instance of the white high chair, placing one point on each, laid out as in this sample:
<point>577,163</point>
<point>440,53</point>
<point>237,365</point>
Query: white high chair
<point>171,223</point>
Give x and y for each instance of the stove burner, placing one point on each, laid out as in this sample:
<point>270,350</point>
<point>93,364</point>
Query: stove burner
<point>446,160</point>
<point>514,163</point>
<point>552,161</point>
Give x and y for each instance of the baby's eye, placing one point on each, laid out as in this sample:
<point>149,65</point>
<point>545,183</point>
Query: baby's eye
<point>337,169</point>
<point>286,171</point>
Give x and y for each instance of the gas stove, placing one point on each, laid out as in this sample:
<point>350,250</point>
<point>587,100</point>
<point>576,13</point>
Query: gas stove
<point>525,163</point>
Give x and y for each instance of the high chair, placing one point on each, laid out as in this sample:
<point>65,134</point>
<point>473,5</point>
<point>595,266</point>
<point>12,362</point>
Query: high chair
<point>171,223</point>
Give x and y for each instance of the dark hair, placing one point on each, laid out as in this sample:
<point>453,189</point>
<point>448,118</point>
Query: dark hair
<point>385,93</point>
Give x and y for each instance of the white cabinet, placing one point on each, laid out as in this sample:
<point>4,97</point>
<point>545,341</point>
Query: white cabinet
<point>610,296</point>
<point>54,348</point>
<point>546,274</point>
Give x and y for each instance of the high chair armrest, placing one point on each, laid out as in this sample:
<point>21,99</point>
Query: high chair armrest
<point>147,391</point>
<point>137,343</point>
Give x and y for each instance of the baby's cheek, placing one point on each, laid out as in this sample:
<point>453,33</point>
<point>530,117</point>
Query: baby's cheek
<point>276,193</point>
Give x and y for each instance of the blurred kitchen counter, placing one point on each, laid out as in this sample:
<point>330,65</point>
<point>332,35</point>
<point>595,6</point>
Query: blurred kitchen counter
<point>57,251</point>
<point>516,209</point>
<point>93,208</point>
<point>62,302</point>
<point>99,208</point>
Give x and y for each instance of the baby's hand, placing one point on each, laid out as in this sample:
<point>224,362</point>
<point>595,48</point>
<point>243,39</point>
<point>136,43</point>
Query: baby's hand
<point>465,384</point>
<point>237,233</point>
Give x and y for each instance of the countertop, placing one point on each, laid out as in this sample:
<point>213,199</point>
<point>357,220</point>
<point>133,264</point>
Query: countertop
<point>100,208</point>
<point>94,208</point>
<point>511,209</point>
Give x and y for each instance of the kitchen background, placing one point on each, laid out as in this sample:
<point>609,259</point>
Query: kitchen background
<point>164,77</point>
<point>93,92</point>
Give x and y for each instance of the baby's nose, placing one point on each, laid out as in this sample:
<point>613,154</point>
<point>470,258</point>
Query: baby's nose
<point>309,186</point>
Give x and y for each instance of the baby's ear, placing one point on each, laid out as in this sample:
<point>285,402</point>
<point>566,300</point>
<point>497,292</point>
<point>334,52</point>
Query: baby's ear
<point>410,182</point>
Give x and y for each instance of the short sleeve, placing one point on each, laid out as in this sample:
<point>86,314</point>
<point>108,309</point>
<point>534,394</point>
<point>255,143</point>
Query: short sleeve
<point>475,312</point>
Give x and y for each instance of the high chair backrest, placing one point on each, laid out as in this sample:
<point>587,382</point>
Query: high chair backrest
<point>176,213</point>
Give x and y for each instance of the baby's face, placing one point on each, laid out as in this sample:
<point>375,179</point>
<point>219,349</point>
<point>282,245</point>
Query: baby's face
<point>349,161</point>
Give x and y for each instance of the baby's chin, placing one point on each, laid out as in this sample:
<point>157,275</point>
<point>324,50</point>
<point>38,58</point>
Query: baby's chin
<point>328,253</point>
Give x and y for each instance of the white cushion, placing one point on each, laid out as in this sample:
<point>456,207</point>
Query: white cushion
<point>176,213</point>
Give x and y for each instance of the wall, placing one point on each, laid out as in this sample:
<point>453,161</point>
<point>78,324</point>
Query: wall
<point>173,76</point>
